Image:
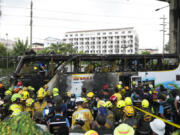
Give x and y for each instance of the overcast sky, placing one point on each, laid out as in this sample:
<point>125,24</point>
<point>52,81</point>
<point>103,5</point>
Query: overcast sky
<point>52,18</point>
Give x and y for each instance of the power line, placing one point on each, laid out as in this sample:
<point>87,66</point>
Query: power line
<point>163,30</point>
<point>85,14</point>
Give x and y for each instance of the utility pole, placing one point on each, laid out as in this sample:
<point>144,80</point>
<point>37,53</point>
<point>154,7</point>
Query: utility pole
<point>163,30</point>
<point>31,24</point>
<point>7,62</point>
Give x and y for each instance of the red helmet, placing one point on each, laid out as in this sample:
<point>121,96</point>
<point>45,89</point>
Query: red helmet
<point>19,83</point>
<point>113,98</point>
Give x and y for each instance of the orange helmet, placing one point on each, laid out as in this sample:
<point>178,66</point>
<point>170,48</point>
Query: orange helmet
<point>16,90</point>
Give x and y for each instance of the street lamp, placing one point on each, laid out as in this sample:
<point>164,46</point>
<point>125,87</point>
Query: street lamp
<point>161,8</point>
<point>7,54</point>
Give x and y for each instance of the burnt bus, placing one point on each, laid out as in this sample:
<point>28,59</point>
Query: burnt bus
<point>95,72</point>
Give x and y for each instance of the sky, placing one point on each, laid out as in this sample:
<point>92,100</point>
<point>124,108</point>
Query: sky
<point>52,18</point>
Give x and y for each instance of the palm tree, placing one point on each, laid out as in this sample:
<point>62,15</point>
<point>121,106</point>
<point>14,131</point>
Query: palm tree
<point>20,47</point>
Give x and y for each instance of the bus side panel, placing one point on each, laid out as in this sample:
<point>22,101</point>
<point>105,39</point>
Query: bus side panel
<point>92,82</point>
<point>167,78</point>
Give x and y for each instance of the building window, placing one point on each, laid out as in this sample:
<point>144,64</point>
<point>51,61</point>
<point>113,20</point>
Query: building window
<point>123,32</point>
<point>104,33</point>
<point>71,35</point>
<point>81,34</point>
<point>129,31</point>
<point>66,35</point>
<point>116,32</point>
<point>98,33</point>
<point>76,35</point>
<point>110,32</point>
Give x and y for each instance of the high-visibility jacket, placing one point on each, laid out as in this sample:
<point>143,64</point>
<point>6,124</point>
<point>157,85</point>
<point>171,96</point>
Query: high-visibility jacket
<point>38,107</point>
<point>86,115</point>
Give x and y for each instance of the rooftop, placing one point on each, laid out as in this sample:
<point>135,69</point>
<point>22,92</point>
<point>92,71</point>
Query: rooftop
<point>101,30</point>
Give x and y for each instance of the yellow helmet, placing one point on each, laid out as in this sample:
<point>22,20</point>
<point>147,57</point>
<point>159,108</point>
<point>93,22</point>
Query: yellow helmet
<point>30,88</point>
<point>119,86</point>
<point>29,102</point>
<point>8,92</point>
<point>100,103</point>
<point>91,132</point>
<point>55,90</point>
<point>15,97</point>
<point>90,94</point>
<point>25,95</point>
<point>108,104</point>
<point>35,68</point>
<point>145,103</point>
<point>129,111</point>
<point>128,101</point>
<point>14,107</point>
<point>133,82</point>
<point>118,96</point>
<point>40,93</point>
<point>120,104</point>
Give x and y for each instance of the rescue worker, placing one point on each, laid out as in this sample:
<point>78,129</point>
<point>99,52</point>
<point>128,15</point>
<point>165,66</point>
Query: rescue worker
<point>165,112</point>
<point>117,94</point>
<point>100,126</point>
<point>48,111</point>
<point>71,107</point>
<point>15,110</point>
<point>120,105</point>
<point>40,104</point>
<point>128,101</point>
<point>86,114</point>
<point>136,99</point>
<point>31,92</point>
<point>157,127</point>
<point>57,99</point>
<point>29,106</point>
<point>143,127</point>
<point>177,107</point>
<point>79,122</point>
<point>124,129</point>
<point>129,117</point>
<point>92,103</point>
<point>91,132</point>
<point>15,99</point>
<point>108,116</point>
<point>59,125</point>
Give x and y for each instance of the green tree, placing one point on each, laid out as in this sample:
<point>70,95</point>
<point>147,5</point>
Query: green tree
<point>20,47</point>
<point>146,53</point>
<point>58,49</point>
<point>3,50</point>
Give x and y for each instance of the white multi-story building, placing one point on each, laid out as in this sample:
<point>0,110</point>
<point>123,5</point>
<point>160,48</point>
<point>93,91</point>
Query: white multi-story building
<point>104,41</point>
<point>51,40</point>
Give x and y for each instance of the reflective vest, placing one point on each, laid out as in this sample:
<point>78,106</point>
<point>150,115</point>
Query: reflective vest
<point>86,114</point>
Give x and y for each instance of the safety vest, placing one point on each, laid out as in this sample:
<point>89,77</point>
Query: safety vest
<point>57,125</point>
<point>86,114</point>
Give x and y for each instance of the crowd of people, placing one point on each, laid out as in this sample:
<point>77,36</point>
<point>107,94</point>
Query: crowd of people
<point>105,112</point>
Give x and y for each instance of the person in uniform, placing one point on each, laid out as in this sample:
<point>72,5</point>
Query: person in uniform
<point>59,125</point>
